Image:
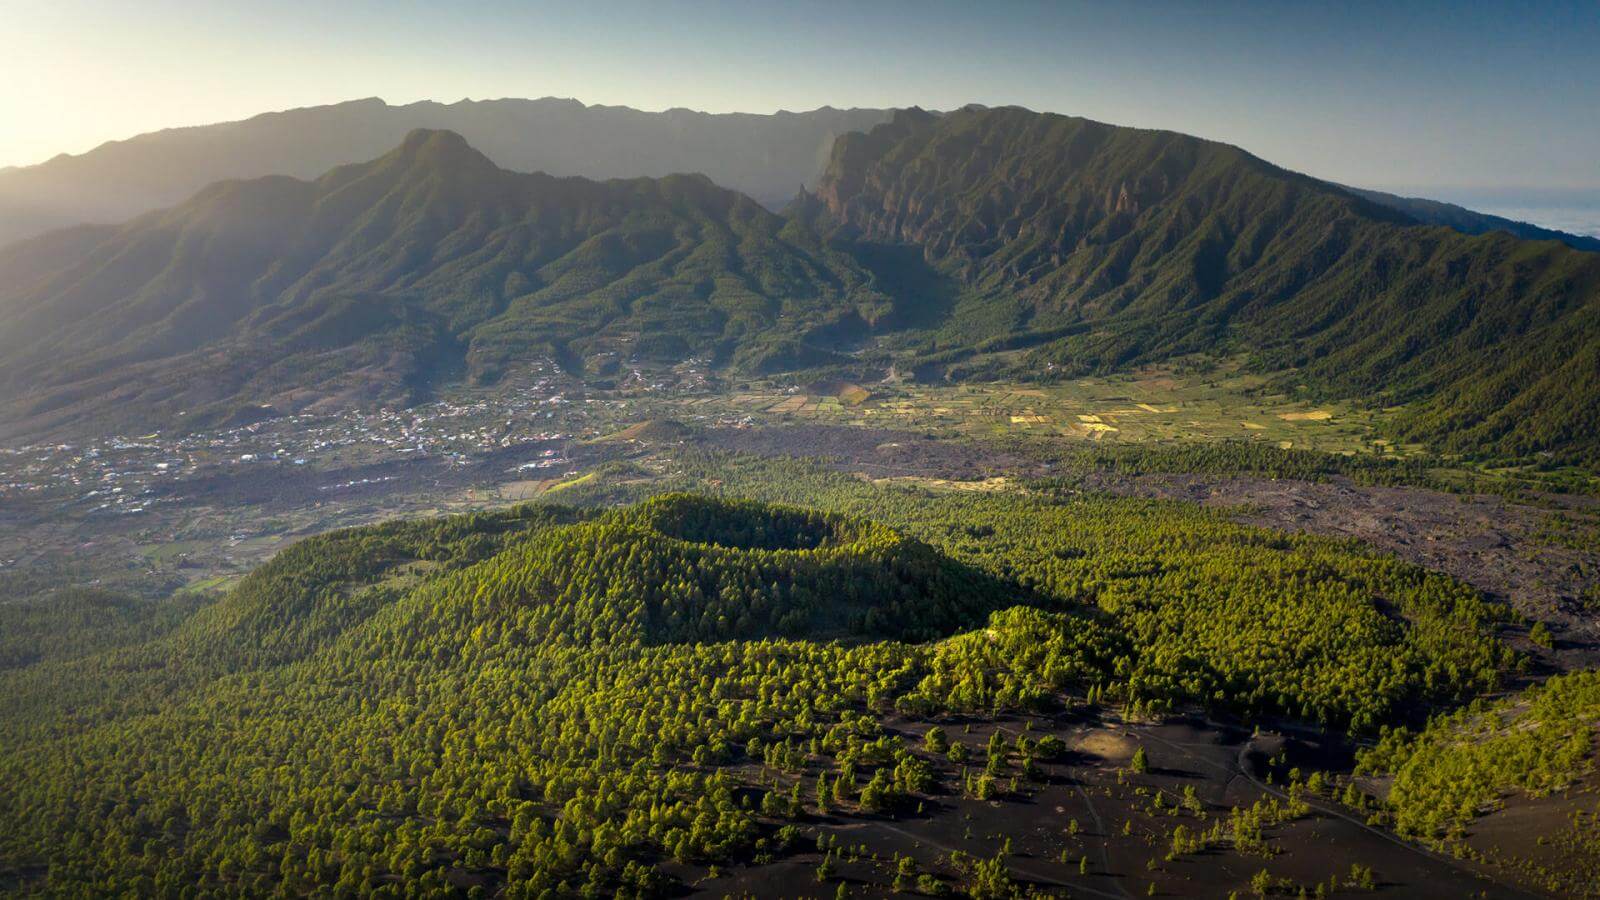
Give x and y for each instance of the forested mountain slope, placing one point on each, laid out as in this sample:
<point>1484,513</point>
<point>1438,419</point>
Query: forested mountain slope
<point>378,279</point>
<point>1106,247</point>
<point>931,243</point>
<point>765,156</point>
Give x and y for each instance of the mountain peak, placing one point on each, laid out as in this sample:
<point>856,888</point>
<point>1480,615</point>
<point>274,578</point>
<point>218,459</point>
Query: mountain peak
<point>428,151</point>
<point>437,143</point>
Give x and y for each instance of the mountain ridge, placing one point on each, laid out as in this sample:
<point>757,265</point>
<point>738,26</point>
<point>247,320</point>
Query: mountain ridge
<point>1106,247</point>
<point>936,244</point>
<point>427,259</point>
<point>765,156</point>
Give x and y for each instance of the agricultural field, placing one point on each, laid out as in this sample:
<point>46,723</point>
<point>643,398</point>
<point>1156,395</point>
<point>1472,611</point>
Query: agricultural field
<point>1152,406</point>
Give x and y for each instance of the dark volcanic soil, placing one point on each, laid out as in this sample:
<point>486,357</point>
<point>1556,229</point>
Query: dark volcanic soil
<point>1124,839</point>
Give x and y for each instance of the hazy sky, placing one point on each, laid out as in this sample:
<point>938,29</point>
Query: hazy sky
<point>1391,94</point>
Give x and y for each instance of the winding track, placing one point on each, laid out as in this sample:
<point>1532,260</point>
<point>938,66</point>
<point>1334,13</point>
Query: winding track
<point>1031,874</point>
<point>1100,828</point>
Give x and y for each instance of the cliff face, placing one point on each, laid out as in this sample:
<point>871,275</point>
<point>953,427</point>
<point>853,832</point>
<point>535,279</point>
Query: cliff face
<point>853,163</point>
<point>982,184</point>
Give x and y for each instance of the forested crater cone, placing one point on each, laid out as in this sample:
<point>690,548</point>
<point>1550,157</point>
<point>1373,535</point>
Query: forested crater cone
<point>735,525</point>
<point>686,568</point>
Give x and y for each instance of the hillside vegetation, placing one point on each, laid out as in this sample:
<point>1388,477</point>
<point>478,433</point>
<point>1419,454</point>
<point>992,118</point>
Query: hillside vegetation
<point>1465,763</point>
<point>1533,751</point>
<point>554,699</point>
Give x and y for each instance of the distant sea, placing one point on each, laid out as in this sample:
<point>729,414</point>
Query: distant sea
<point>1573,210</point>
<point>1571,219</point>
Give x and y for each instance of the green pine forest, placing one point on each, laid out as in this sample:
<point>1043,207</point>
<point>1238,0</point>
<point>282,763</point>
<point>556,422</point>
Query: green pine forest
<point>583,699</point>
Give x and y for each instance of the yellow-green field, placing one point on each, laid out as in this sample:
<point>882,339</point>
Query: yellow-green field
<point>1147,406</point>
